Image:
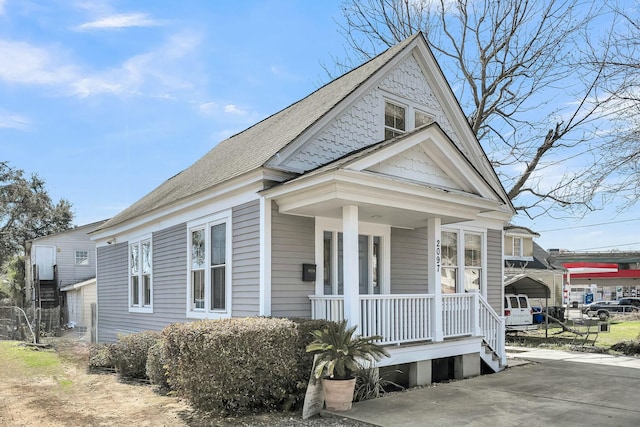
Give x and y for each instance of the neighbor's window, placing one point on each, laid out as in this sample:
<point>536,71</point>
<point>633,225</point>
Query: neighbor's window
<point>140,271</point>
<point>82,257</point>
<point>394,120</point>
<point>209,274</point>
<point>517,246</point>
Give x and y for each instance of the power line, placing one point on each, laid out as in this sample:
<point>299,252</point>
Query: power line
<point>606,247</point>
<point>589,225</point>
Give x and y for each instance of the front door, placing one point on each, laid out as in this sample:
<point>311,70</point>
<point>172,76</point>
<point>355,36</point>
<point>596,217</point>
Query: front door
<point>45,260</point>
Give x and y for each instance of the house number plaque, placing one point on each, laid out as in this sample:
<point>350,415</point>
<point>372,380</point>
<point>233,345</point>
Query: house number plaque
<point>438,256</point>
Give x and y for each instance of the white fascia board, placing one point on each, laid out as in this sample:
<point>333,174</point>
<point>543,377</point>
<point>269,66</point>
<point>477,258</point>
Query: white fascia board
<point>232,193</point>
<point>440,149</point>
<point>366,187</point>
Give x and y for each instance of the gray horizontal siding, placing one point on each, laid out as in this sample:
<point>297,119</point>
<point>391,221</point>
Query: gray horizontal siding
<point>292,240</point>
<point>494,269</point>
<point>169,252</point>
<point>409,261</point>
<point>169,278</point>
<point>112,283</point>
<point>246,260</point>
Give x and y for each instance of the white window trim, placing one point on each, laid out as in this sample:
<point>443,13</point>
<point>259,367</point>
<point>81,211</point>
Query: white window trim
<point>410,111</point>
<point>206,224</point>
<point>364,228</point>
<point>140,308</point>
<point>461,263</point>
<point>75,258</point>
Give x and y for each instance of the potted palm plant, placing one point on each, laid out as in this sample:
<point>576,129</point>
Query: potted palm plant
<point>339,355</point>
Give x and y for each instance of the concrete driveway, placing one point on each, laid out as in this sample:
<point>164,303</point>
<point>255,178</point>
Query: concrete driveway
<point>541,388</point>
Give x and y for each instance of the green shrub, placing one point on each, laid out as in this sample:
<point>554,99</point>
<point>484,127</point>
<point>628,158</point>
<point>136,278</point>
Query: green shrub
<point>233,366</point>
<point>156,369</point>
<point>131,353</point>
<point>102,356</point>
<point>304,359</point>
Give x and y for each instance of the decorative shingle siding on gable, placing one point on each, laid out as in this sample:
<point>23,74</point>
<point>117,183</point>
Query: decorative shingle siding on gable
<point>358,127</point>
<point>362,124</point>
<point>246,260</point>
<point>407,81</point>
<point>292,240</point>
<point>494,269</point>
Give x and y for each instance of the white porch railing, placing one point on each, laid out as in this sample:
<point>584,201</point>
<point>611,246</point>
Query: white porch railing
<point>456,315</point>
<point>397,318</point>
<point>492,328</point>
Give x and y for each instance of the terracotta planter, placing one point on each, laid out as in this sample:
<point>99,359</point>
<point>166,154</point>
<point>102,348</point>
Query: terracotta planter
<point>338,394</point>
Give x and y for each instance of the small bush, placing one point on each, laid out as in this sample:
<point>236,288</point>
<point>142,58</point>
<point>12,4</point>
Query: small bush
<point>131,354</point>
<point>629,348</point>
<point>102,356</point>
<point>370,384</point>
<point>157,360</point>
<point>233,366</point>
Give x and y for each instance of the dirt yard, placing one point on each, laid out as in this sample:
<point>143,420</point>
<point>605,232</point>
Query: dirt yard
<point>67,395</point>
<point>57,390</point>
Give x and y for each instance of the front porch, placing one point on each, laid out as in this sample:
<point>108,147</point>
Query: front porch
<point>418,322</point>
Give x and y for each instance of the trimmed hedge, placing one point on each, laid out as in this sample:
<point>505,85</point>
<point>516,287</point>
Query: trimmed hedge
<point>233,366</point>
<point>131,353</point>
<point>102,356</point>
<point>157,360</point>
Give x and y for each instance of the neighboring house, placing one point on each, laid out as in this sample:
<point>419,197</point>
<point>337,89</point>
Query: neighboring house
<point>81,307</point>
<point>56,261</point>
<point>370,200</point>
<point>605,275</point>
<point>526,264</point>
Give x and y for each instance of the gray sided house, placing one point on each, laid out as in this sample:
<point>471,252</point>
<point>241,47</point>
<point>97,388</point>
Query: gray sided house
<point>369,200</point>
<point>60,262</point>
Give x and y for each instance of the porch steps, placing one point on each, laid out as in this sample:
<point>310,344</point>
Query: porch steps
<point>493,360</point>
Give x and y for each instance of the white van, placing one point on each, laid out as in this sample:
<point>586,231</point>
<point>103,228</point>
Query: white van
<point>518,314</point>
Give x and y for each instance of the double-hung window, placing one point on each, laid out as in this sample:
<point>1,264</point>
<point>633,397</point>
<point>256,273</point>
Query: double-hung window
<point>140,276</point>
<point>209,267</point>
<point>400,118</point>
<point>462,261</point>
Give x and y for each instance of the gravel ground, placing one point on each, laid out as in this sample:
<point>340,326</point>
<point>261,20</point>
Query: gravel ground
<point>278,420</point>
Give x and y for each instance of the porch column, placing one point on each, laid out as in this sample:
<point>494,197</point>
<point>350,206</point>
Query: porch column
<point>351,272</point>
<point>434,275</point>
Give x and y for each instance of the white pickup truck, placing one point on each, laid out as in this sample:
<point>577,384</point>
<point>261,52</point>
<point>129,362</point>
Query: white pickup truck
<point>518,313</point>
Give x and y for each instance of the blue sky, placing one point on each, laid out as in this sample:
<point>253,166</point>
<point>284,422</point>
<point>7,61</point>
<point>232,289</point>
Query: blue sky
<point>107,99</point>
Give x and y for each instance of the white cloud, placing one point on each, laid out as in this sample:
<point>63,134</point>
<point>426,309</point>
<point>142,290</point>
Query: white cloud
<point>233,109</point>
<point>123,20</point>
<point>28,64</point>
<point>13,121</point>
<point>158,73</point>
<point>2,4</point>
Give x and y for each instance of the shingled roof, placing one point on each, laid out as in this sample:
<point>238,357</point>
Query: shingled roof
<point>253,147</point>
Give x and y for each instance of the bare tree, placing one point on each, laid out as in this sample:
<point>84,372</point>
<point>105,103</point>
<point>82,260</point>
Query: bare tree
<point>532,77</point>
